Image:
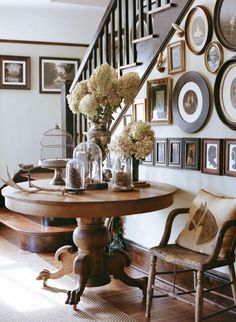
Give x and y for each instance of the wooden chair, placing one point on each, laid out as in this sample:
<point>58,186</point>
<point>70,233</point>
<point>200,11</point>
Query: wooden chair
<point>194,261</point>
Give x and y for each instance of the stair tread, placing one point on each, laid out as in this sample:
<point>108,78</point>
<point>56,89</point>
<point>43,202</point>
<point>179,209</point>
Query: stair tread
<point>153,36</point>
<point>20,223</point>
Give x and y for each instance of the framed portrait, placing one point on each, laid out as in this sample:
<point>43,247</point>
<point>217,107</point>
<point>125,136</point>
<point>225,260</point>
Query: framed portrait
<point>191,102</point>
<point>191,153</point>
<point>54,71</point>
<point>14,72</point>
<point>174,146</point>
<point>225,93</point>
<point>159,100</point>
<point>230,157</point>
<point>160,152</point>
<point>212,156</point>
<point>225,23</point>
<point>139,112</point>
<point>176,57</point>
<point>198,29</point>
<point>214,56</point>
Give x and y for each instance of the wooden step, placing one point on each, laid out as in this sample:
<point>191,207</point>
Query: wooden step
<point>145,38</point>
<point>32,235</point>
<point>162,8</point>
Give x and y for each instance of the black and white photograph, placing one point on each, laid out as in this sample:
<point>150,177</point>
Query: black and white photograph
<point>176,57</point>
<point>190,102</point>
<point>160,151</point>
<point>175,152</point>
<point>212,156</point>
<point>230,157</point>
<point>214,56</point>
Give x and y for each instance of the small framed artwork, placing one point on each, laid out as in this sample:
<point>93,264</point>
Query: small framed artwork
<point>159,100</point>
<point>15,72</point>
<point>174,153</point>
<point>198,29</point>
<point>230,157</point>
<point>139,110</point>
<point>214,56</point>
<point>149,160</point>
<point>225,93</point>
<point>176,57</point>
<point>54,71</point>
<point>191,153</point>
<point>225,23</point>
<point>160,152</point>
<point>212,160</point>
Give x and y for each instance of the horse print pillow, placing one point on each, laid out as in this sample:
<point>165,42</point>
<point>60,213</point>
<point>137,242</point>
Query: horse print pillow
<point>207,213</point>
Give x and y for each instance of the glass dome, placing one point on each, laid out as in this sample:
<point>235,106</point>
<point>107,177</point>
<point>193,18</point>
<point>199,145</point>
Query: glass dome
<point>74,176</point>
<point>122,173</point>
<point>91,156</point>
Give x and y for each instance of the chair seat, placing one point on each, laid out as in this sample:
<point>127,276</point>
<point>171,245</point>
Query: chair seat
<point>178,255</point>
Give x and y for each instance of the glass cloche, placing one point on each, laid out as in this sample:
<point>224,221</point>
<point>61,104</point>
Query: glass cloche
<point>75,176</point>
<point>90,155</point>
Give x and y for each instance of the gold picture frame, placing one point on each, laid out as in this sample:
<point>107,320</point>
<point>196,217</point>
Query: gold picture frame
<point>176,57</point>
<point>139,111</point>
<point>214,56</point>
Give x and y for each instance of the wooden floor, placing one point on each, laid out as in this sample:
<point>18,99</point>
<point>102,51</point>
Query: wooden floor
<point>129,300</point>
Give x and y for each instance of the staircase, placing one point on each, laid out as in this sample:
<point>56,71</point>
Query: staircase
<point>130,37</point>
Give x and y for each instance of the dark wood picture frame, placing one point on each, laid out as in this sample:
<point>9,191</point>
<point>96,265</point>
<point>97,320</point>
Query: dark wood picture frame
<point>212,156</point>
<point>191,153</point>
<point>198,29</point>
<point>159,101</point>
<point>190,106</point>
<point>176,57</point>
<point>213,57</point>
<point>53,71</point>
<point>225,93</point>
<point>225,23</point>
<point>14,72</point>
<point>174,154</point>
<point>230,157</point>
<point>160,149</point>
<point>149,160</point>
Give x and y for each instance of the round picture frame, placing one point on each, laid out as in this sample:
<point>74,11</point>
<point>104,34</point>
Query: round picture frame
<point>225,93</point>
<point>225,23</point>
<point>191,102</point>
<point>214,57</point>
<point>198,29</point>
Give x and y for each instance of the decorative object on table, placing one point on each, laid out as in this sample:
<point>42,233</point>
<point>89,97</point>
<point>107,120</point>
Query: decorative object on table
<point>198,29</point>
<point>230,157</point>
<point>159,100</point>
<point>56,148</point>
<point>176,57</point>
<point>214,56</point>
<point>136,140</point>
<point>54,71</point>
<point>179,31</point>
<point>191,102</point>
<point>212,156</point>
<point>122,173</point>
<point>225,23</point>
<point>160,149</point>
<point>75,176</point>
<point>174,159</point>
<point>89,154</point>
<point>225,93</point>
<point>14,72</point>
<point>191,153</point>
<point>99,98</point>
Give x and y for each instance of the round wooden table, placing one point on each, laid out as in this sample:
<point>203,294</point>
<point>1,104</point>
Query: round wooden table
<point>91,236</point>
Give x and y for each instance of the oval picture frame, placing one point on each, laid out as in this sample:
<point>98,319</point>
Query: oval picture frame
<point>198,29</point>
<point>225,23</point>
<point>225,93</point>
<point>191,102</point>
<point>214,57</point>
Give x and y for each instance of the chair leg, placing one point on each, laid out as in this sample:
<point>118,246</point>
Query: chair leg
<point>151,282</point>
<point>233,280</point>
<point>199,297</point>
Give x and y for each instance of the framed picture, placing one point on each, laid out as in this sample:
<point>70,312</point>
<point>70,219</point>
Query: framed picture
<point>191,153</point>
<point>14,72</point>
<point>198,29</point>
<point>160,152</point>
<point>225,93</point>
<point>176,57</point>
<point>54,71</point>
<point>159,100</point>
<point>191,102</point>
<point>212,160</point>
<point>174,159</point>
<point>139,110</point>
<point>230,157</point>
<point>225,23</point>
<point>214,56</point>
<point>149,160</point>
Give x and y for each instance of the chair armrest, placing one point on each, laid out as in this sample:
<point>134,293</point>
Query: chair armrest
<point>169,222</point>
<point>219,240</point>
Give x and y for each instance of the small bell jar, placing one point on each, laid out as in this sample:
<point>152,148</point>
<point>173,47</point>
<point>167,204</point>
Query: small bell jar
<point>90,155</point>
<point>56,148</point>
<point>122,173</point>
<point>75,176</point>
